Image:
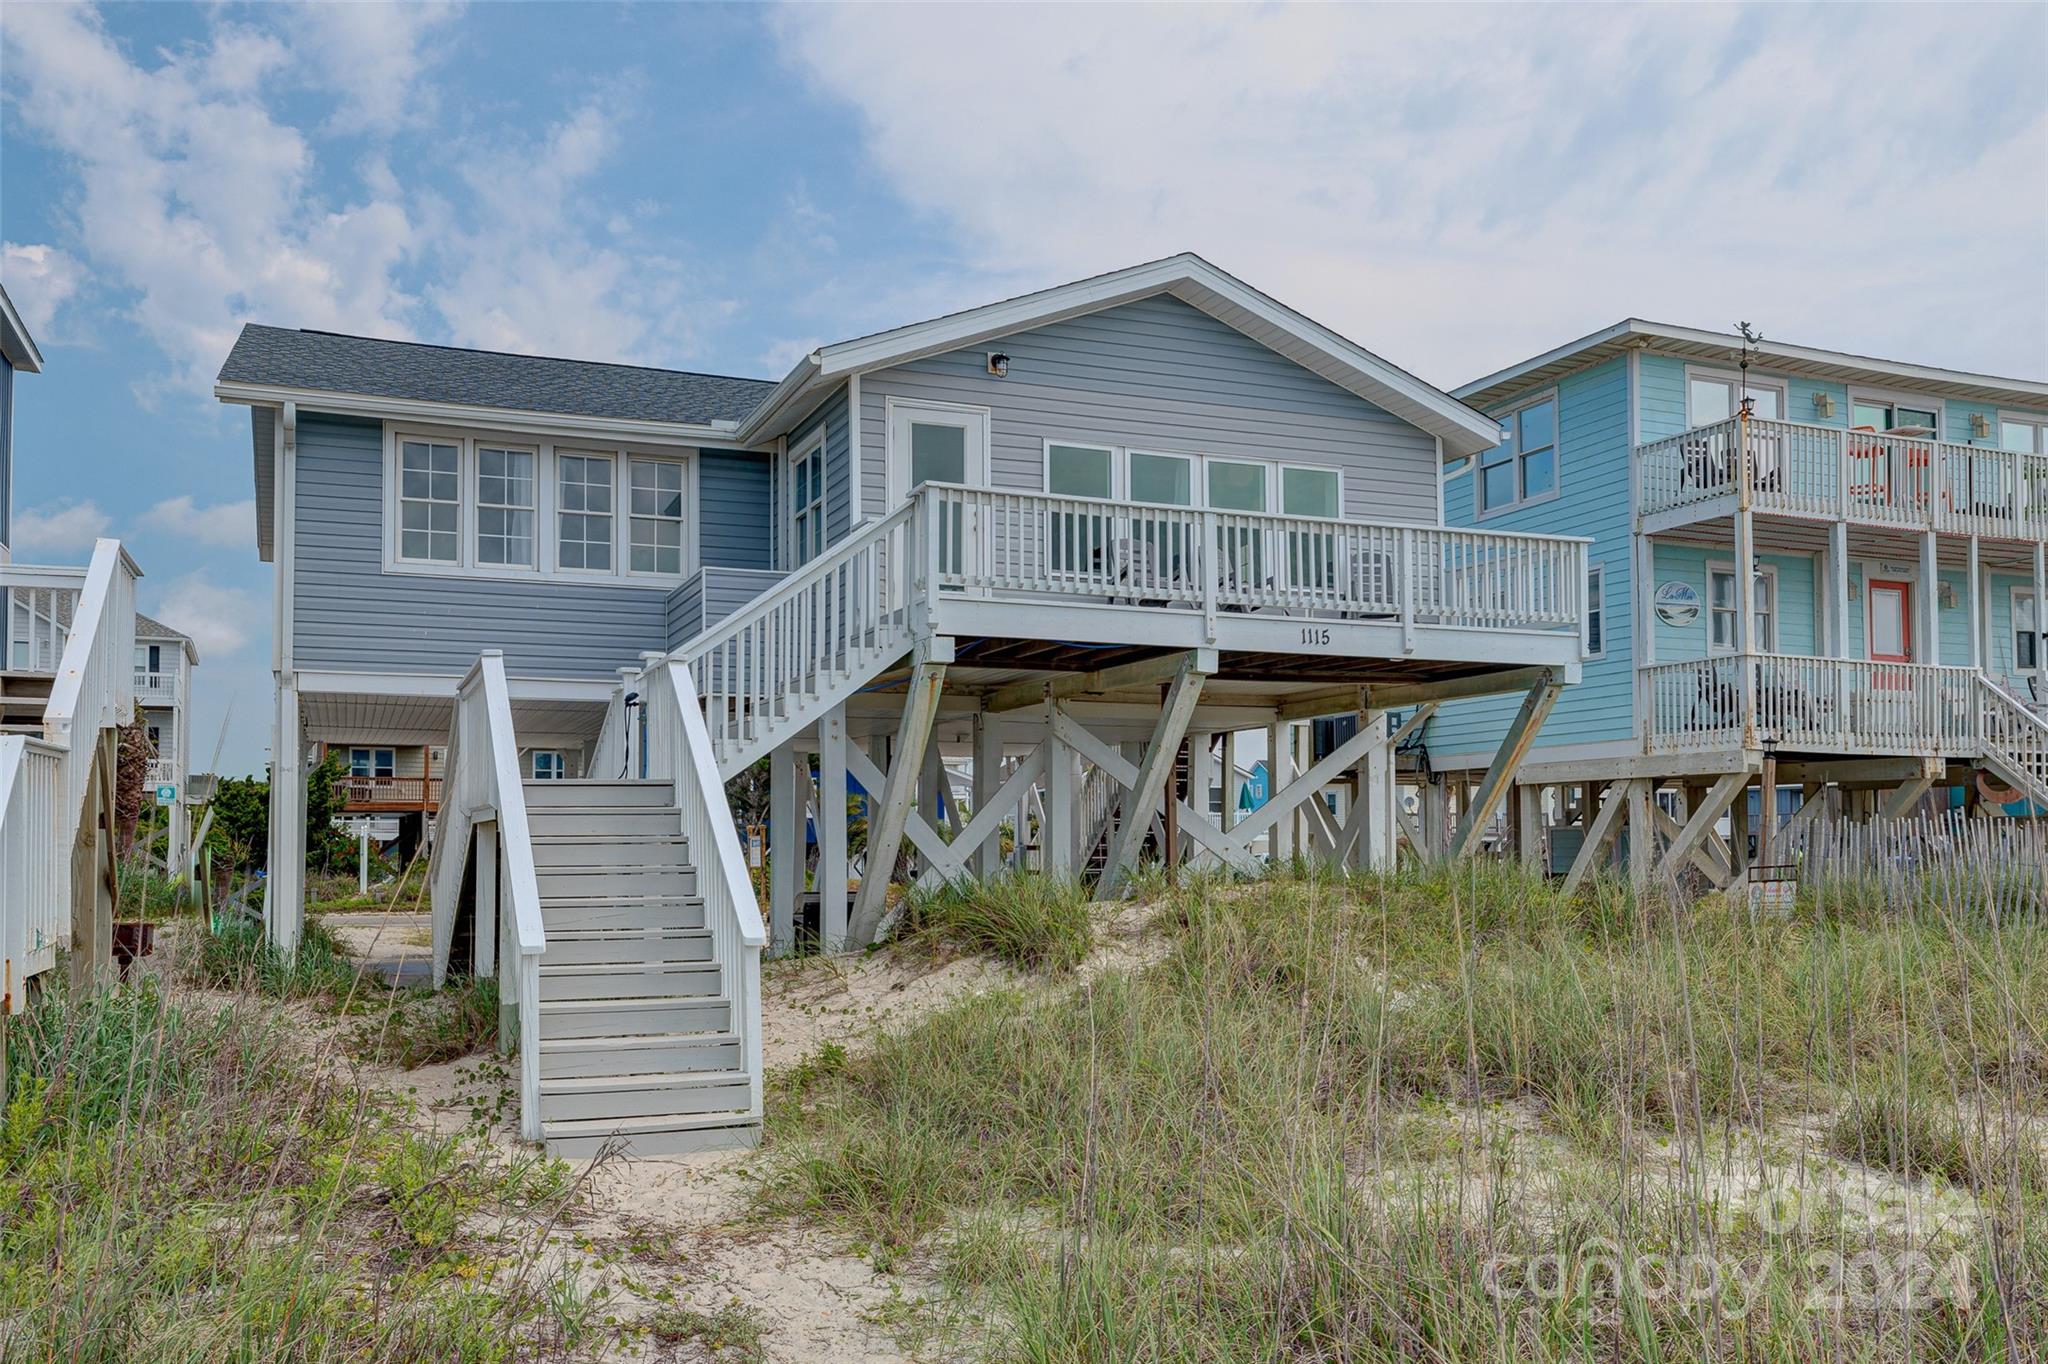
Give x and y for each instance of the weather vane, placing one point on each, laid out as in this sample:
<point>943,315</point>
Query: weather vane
<point>1751,339</point>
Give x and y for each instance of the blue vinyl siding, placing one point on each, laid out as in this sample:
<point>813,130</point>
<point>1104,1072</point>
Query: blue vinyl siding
<point>733,511</point>
<point>708,597</point>
<point>1799,624</point>
<point>1159,374</point>
<point>1593,500</point>
<point>348,615</point>
<point>1662,401</point>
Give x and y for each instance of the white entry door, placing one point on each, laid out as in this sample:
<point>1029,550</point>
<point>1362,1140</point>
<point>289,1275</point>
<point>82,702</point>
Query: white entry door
<point>939,443</point>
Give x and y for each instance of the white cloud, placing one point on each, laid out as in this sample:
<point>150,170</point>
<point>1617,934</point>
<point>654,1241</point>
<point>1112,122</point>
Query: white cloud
<point>1463,186</point>
<point>231,525</point>
<point>217,617</point>
<point>40,279</point>
<point>781,357</point>
<point>374,55</point>
<point>58,528</point>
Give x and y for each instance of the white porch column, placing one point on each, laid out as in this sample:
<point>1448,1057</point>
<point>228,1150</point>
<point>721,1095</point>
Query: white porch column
<point>1377,794</point>
<point>284,893</point>
<point>832,873</point>
<point>1233,784</point>
<point>1201,774</point>
<point>1745,607</point>
<point>1059,836</point>
<point>1838,588</point>
<point>1279,771</point>
<point>1930,603</point>
<point>2041,623</point>
<point>988,779</point>
<point>785,847</point>
<point>1975,601</point>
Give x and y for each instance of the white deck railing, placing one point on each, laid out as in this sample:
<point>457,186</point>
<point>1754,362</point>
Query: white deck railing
<point>2014,735</point>
<point>39,599</point>
<point>1868,476</point>
<point>1042,545</point>
<point>762,667</point>
<point>1822,704</point>
<point>677,748</point>
<point>483,794</point>
<point>156,689</point>
<point>35,864</point>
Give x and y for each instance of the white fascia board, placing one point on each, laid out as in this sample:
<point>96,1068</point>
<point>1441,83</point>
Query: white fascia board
<point>464,414</point>
<point>19,346</point>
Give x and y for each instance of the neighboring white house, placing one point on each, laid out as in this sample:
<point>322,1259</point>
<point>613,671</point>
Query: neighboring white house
<point>164,660</point>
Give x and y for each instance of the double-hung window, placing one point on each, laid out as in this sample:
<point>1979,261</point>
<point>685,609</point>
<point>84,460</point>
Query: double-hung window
<point>807,500</point>
<point>657,516</point>
<point>1724,610</point>
<point>429,501</point>
<point>504,507</point>
<point>548,765</point>
<point>583,489</point>
<point>1596,610</point>
<point>1523,467</point>
<point>2028,632</point>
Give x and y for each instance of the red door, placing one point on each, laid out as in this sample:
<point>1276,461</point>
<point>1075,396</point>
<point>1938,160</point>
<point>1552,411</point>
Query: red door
<point>1891,632</point>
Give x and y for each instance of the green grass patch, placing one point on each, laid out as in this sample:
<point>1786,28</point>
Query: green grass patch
<point>1267,1146</point>
<point>1033,922</point>
<point>179,1184</point>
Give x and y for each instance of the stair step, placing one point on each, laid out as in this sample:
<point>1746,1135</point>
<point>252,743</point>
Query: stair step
<point>694,1094</point>
<point>634,1017</point>
<point>587,792</point>
<point>625,851</point>
<point>546,821</point>
<point>607,947</point>
<point>611,883</point>
<point>579,913</point>
<point>569,1057</point>
<point>628,981</point>
<point>659,1136</point>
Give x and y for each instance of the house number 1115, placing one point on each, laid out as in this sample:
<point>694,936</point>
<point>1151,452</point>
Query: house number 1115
<point>1315,634</point>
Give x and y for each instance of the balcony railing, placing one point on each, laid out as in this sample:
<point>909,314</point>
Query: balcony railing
<point>155,689</point>
<point>1824,704</point>
<point>161,772</point>
<point>1039,544</point>
<point>389,793</point>
<point>1869,476</point>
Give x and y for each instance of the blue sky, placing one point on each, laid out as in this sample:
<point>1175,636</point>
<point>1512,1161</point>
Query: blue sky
<point>720,188</point>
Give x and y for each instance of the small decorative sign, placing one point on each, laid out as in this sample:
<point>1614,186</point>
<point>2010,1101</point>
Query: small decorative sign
<point>166,794</point>
<point>1678,603</point>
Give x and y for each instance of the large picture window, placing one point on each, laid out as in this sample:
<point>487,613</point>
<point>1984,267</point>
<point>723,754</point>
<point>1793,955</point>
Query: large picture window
<point>429,501</point>
<point>584,523</point>
<point>504,507</point>
<point>1524,466</point>
<point>657,516</point>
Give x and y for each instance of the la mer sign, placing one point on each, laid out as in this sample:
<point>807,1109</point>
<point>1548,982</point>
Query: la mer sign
<point>1677,603</point>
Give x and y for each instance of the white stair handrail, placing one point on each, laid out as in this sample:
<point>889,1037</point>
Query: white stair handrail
<point>679,750</point>
<point>2011,732</point>
<point>482,784</point>
<point>845,608</point>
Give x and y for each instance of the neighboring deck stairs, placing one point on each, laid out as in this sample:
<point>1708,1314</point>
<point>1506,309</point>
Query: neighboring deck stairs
<point>636,1041</point>
<point>2013,741</point>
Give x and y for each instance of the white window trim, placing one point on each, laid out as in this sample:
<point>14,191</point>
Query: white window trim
<point>2034,419</point>
<point>561,763</point>
<point>812,444</point>
<point>373,750</point>
<point>1596,599</point>
<point>1280,487</point>
<point>623,483</point>
<point>1199,476</point>
<point>469,462</point>
<point>1767,646</point>
<point>892,406</point>
<point>1926,402</point>
<point>1733,378</point>
<point>2023,592</point>
<point>546,498</point>
<point>465,500</point>
<point>1116,455</point>
<point>1482,512</point>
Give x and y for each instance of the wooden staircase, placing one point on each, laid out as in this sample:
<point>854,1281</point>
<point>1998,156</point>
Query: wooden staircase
<point>636,1041</point>
<point>2012,741</point>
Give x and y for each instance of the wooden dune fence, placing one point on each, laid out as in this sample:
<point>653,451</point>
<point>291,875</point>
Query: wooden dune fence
<point>1994,866</point>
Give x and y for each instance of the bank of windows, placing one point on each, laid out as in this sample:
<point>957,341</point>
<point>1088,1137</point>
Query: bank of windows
<point>1523,468</point>
<point>1724,610</point>
<point>368,763</point>
<point>474,505</point>
<point>1882,414</point>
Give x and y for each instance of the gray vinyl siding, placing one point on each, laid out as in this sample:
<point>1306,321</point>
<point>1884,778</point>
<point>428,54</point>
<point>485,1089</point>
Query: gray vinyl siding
<point>1159,374</point>
<point>349,615</point>
<point>709,597</point>
<point>839,511</point>
<point>734,526</point>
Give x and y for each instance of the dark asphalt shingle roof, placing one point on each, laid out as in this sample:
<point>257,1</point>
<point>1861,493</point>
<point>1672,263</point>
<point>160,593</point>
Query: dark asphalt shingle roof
<point>334,363</point>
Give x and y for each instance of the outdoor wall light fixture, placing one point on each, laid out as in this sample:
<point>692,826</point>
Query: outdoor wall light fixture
<point>1980,426</point>
<point>998,364</point>
<point>1823,405</point>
